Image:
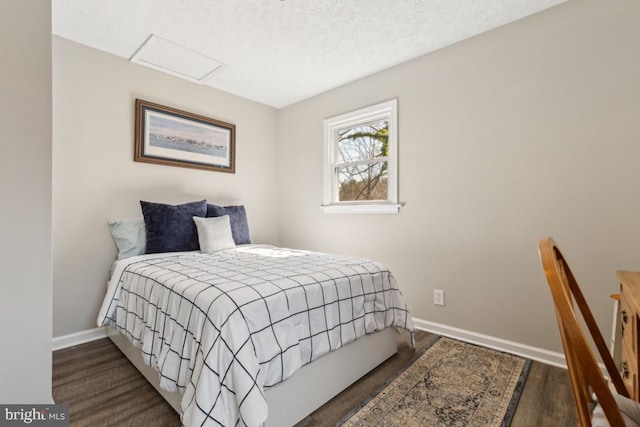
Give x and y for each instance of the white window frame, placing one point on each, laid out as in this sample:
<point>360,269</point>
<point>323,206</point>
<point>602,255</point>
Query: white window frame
<point>384,111</point>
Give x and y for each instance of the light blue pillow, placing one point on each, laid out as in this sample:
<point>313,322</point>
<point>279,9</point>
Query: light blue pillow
<point>130,236</point>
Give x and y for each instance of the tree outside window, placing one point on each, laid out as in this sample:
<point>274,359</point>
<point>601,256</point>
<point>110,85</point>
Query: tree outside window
<point>362,167</point>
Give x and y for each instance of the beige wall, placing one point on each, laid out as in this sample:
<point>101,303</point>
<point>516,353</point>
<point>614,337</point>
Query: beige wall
<point>95,179</point>
<point>25,192</point>
<point>526,131</point>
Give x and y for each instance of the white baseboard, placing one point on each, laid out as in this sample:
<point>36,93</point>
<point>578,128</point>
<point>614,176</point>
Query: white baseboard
<point>533,353</point>
<point>81,337</point>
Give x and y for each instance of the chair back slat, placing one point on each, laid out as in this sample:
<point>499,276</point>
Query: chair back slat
<point>586,376</point>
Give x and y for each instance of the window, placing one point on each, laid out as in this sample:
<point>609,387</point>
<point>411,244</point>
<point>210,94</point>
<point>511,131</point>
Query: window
<point>360,164</point>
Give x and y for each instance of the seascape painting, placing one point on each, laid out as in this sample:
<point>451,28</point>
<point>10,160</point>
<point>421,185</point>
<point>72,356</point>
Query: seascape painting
<point>177,138</point>
<point>174,134</point>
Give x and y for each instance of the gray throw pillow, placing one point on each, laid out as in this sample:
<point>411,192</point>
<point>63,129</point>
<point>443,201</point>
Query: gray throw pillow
<point>214,234</point>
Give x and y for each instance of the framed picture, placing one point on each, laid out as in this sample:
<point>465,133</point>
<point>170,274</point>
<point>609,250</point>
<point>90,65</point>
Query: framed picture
<point>167,136</point>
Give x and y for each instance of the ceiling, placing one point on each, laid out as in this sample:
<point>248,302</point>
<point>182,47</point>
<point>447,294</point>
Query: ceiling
<point>278,52</point>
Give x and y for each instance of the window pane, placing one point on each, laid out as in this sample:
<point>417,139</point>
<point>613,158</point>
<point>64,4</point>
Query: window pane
<point>363,182</point>
<point>363,142</point>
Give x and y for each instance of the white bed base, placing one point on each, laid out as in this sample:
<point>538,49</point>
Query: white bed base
<point>308,389</point>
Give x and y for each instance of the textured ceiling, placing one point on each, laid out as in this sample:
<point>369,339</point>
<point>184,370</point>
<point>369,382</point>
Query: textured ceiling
<point>280,52</point>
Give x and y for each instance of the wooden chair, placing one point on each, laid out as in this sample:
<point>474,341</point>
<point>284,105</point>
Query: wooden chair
<point>587,380</point>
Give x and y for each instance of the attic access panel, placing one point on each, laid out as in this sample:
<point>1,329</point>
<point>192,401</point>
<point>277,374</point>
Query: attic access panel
<point>172,58</point>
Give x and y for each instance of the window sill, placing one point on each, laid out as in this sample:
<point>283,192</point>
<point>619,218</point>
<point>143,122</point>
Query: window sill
<point>364,208</point>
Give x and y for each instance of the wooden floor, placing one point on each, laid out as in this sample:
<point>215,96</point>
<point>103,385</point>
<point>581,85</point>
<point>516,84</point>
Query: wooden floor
<point>104,389</point>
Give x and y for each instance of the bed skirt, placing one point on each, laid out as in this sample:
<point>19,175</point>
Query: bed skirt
<point>309,388</point>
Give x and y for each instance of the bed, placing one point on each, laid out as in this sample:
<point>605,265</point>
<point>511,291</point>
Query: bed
<point>252,335</point>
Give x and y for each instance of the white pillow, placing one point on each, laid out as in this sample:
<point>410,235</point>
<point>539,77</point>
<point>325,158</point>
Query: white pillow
<point>130,236</point>
<point>214,233</point>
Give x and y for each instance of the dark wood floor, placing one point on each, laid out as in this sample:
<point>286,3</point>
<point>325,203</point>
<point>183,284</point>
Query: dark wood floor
<point>104,389</point>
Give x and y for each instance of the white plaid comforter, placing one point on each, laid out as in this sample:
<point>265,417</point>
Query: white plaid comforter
<point>221,328</point>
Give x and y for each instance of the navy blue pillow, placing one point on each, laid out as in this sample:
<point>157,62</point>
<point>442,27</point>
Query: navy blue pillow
<point>238,219</point>
<point>170,228</point>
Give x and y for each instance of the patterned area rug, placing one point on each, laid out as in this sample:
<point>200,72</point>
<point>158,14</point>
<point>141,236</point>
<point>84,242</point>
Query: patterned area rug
<point>451,384</point>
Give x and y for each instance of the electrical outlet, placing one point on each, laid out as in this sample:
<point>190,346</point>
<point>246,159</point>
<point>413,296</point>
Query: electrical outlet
<point>438,297</point>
